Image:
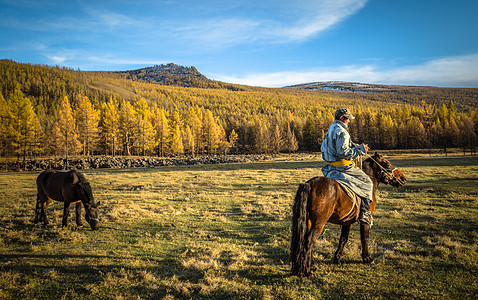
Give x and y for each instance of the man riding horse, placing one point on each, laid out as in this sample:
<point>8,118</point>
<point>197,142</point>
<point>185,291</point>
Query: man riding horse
<point>339,151</point>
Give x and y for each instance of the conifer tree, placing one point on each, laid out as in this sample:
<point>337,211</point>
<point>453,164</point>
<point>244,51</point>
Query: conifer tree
<point>87,118</point>
<point>128,126</point>
<point>260,134</point>
<point>5,123</point>
<point>212,132</point>
<point>467,138</point>
<point>277,141</point>
<point>291,143</point>
<point>189,141</point>
<point>177,147</point>
<point>233,137</point>
<point>195,121</point>
<point>161,127</point>
<point>64,130</point>
<point>145,139</point>
<point>415,134</point>
<point>25,125</point>
<point>110,125</point>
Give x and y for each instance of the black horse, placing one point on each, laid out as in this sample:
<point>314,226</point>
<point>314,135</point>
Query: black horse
<point>67,187</point>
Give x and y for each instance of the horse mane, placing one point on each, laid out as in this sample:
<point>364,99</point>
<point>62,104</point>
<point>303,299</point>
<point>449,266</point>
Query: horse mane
<point>81,177</point>
<point>376,159</point>
<point>367,167</point>
<point>83,183</point>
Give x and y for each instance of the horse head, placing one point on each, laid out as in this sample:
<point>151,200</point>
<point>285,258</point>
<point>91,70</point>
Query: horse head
<point>388,173</point>
<point>85,194</point>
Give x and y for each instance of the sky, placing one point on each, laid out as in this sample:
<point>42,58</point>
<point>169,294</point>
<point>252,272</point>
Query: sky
<point>270,43</point>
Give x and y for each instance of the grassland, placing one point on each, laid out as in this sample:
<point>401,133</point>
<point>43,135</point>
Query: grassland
<point>223,231</point>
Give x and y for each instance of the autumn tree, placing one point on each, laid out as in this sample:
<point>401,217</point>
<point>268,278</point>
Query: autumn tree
<point>233,137</point>
<point>213,132</point>
<point>65,130</point>
<point>5,130</point>
<point>162,130</point>
<point>176,124</point>
<point>291,143</point>
<point>25,126</point>
<point>467,138</point>
<point>190,146</point>
<point>260,134</point>
<point>87,119</point>
<point>194,119</point>
<point>145,131</point>
<point>110,125</point>
<point>276,140</point>
<point>128,126</point>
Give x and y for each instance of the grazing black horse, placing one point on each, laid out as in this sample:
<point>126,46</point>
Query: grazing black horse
<point>322,200</point>
<point>67,187</point>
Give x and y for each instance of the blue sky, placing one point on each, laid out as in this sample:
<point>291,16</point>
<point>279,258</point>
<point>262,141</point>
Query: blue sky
<point>270,43</point>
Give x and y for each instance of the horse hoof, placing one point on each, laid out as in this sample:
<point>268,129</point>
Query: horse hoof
<point>337,261</point>
<point>367,260</point>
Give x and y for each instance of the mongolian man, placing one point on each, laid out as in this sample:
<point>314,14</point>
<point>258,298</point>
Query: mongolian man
<point>339,151</point>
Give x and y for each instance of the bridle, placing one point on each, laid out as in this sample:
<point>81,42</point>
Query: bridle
<point>90,218</point>
<point>392,175</point>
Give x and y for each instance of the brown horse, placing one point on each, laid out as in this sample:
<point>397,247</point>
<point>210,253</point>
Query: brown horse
<point>67,187</point>
<point>321,200</point>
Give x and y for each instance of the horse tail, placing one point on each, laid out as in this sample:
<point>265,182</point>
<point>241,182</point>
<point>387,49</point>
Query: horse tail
<point>301,245</point>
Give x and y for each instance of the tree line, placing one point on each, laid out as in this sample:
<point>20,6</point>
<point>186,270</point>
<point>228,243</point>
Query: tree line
<point>49,111</point>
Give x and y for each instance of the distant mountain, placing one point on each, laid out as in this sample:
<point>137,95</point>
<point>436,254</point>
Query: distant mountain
<point>343,86</point>
<point>463,98</point>
<point>172,74</point>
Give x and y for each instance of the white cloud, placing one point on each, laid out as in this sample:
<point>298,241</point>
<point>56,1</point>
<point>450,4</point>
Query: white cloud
<point>113,60</point>
<point>214,33</point>
<point>56,60</point>
<point>302,21</point>
<point>458,71</point>
<point>320,17</point>
<point>449,71</point>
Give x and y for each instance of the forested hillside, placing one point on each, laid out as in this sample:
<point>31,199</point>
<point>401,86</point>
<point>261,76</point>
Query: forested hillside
<point>48,111</point>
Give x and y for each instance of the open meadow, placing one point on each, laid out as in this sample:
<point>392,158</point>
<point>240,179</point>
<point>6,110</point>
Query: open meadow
<point>223,231</point>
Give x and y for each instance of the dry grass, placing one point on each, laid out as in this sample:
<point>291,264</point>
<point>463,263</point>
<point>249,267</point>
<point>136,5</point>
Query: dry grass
<point>222,231</point>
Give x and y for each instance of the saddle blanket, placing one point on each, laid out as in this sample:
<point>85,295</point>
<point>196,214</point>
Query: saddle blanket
<point>355,198</point>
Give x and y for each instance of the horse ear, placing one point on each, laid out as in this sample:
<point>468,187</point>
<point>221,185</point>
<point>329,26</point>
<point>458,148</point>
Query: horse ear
<point>378,156</point>
<point>75,178</point>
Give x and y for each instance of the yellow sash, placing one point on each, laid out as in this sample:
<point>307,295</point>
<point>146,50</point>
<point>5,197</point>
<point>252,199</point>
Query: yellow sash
<point>340,163</point>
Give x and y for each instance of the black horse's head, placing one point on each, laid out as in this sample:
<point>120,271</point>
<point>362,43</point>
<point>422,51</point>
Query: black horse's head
<point>85,194</point>
<point>387,173</point>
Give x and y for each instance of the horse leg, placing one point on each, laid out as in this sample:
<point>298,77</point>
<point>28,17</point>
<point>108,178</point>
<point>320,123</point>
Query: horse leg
<point>364,235</point>
<point>344,236</point>
<point>78,214</point>
<point>43,207</point>
<point>37,210</point>
<point>66,212</point>
<point>312,237</point>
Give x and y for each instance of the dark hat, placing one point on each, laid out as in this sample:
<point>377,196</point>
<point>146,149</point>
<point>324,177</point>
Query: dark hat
<point>343,112</point>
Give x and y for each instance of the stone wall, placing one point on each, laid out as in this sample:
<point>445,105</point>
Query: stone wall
<point>124,162</point>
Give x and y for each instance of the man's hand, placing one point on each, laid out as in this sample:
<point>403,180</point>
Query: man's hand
<point>367,148</point>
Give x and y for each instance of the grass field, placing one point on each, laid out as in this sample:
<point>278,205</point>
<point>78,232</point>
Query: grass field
<point>223,231</point>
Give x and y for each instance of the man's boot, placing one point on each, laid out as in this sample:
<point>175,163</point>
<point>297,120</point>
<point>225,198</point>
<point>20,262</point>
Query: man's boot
<point>365,217</point>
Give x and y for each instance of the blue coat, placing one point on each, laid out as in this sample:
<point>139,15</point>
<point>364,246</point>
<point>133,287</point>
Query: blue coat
<point>337,145</point>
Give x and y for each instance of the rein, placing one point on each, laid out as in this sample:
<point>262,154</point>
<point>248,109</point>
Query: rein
<point>391,174</point>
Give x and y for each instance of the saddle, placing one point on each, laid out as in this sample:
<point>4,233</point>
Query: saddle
<point>355,199</point>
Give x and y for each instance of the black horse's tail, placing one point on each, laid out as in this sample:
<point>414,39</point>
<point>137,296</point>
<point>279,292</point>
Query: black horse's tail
<point>301,244</point>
